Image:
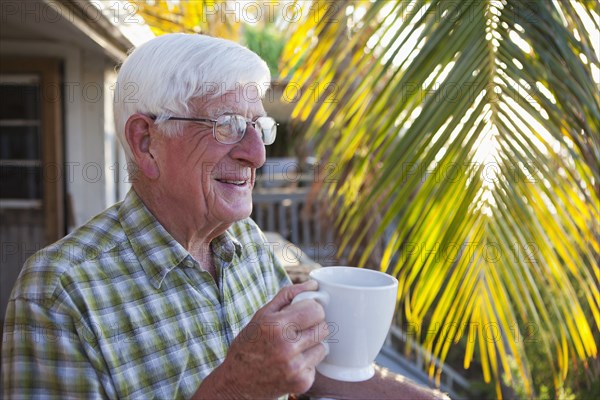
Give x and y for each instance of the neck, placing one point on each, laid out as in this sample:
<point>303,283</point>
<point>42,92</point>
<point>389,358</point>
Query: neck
<point>195,236</point>
<point>204,257</point>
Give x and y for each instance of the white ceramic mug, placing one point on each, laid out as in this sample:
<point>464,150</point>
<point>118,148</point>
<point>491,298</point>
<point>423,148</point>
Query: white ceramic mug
<point>359,306</point>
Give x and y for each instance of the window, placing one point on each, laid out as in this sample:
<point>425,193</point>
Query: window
<point>20,144</point>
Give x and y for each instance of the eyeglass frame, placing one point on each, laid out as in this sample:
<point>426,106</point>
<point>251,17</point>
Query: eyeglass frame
<point>214,125</point>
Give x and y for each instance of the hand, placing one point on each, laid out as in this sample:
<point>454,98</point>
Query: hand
<point>276,353</point>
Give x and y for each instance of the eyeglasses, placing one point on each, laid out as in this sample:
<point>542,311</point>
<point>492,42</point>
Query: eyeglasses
<point>231,128</point>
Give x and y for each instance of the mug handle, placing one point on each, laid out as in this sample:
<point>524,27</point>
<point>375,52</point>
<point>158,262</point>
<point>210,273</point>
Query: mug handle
<point>321,297</point>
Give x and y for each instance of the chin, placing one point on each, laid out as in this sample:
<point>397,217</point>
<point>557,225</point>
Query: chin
<point>239,213</point>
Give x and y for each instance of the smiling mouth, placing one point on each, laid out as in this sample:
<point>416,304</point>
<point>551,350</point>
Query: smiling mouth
<point>233,182</point>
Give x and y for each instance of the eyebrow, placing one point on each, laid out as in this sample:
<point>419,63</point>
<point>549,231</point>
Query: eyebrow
<point>220,111</point>
<point>225,110</point>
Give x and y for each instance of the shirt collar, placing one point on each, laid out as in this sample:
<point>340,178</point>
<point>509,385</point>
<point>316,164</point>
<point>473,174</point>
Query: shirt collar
<point>226,246</point>
<point>156,250</point>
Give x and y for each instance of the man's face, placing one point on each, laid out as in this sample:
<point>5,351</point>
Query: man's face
<point>209,182</point>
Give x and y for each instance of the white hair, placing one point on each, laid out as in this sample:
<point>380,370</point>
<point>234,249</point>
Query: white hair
<point>163,75</point>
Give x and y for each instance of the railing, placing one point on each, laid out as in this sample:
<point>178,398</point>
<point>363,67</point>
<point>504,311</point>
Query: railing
<point>285,210</point>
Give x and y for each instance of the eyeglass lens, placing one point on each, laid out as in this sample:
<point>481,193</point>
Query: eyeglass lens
<point>231,128</point>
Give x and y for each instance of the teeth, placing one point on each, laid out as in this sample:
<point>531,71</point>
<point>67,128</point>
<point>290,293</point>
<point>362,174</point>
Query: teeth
<point>234,182</point>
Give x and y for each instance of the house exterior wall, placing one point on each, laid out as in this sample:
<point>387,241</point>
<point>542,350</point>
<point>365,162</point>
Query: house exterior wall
<point>90,163</point>
<point>90,150</point>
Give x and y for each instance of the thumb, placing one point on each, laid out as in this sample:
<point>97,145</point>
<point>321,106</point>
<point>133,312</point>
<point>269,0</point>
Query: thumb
<point>287,294</point>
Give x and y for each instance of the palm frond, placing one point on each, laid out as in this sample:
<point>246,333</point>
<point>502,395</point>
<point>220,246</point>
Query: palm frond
<point>475,128</point>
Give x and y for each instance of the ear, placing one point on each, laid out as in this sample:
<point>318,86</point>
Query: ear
<point>137,133</point>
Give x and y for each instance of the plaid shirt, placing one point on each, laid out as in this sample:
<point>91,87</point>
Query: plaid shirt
<point>119,309</point>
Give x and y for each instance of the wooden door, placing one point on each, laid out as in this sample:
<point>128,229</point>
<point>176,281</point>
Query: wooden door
<point>31,163</point>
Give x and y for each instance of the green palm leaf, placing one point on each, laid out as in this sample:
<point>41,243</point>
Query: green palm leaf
<point>473,129</point>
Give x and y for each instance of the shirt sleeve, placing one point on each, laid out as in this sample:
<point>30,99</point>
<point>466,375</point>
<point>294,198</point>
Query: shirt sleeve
<point>46,355</point>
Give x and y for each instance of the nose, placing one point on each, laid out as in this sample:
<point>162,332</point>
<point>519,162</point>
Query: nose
<point>251,149</point>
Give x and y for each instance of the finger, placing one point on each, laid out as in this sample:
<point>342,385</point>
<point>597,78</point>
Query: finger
<point>304,314</point>
<point>287,294</point>
<point>307,338</point>
<point>314,355</point>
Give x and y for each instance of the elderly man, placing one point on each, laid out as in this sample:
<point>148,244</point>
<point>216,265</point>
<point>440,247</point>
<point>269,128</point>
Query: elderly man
<point>171,293</point>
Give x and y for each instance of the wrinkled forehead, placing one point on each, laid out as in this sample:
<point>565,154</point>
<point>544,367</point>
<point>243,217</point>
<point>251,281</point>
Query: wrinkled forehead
<point>246,101</point>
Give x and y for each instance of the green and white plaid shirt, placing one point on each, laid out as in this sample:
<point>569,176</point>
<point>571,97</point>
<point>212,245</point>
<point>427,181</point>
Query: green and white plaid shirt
<point>119,309</point>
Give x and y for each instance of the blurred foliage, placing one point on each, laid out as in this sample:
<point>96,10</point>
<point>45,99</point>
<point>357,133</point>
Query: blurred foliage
<point>470,133</point>
<point>266,41</point>
<point>195,16</point>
